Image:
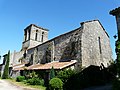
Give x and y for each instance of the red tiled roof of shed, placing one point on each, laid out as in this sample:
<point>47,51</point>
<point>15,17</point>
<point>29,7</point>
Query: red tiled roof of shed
<point>55,64</point>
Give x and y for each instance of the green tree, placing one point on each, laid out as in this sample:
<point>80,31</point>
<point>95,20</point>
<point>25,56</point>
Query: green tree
<point>6,69</point>
<point>52,73</point>
<point>118,56</point>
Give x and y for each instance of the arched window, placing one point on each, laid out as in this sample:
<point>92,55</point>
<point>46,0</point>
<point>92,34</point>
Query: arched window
<point>36,35</point>
<point>42,37</point>
<point>25,35</point>
<point>29,34</point>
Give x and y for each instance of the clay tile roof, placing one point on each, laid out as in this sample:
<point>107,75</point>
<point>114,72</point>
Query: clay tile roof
<point>19,66</point>
<point>55,64</point>
<point>34,66</point>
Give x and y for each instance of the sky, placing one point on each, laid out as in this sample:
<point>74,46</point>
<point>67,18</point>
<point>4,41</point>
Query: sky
<point>59,16</point>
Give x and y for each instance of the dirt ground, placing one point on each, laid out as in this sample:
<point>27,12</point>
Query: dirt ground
<point>5,85</point>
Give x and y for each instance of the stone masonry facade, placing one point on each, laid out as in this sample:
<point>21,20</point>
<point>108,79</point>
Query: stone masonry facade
<point>88,44</point>
<point>95,45</point>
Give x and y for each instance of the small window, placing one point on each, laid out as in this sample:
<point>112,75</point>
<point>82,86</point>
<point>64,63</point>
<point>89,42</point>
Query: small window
<point>24,55</point>
<point>31,59</point>
<point>25,35</point>
<point>42,33</point>
<point>42,37</point>
<point>29,34</point>
<point>36,35</point>
<point>99,41</point>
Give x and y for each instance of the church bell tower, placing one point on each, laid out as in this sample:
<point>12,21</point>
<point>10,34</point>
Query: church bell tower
<point>33,36</point>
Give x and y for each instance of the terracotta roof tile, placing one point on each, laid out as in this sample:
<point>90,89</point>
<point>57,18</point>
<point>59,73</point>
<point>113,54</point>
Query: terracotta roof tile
<point>55,64</point>
<point>47,66</point>
<point>20,68</point>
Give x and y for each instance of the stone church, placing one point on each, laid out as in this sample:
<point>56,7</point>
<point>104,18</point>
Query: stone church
<point>87,45</point>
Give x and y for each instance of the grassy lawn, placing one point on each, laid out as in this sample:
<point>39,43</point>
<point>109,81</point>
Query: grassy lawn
<point>22,84</point>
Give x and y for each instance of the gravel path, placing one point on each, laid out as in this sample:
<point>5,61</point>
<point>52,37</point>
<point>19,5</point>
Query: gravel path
<point>5,85</point>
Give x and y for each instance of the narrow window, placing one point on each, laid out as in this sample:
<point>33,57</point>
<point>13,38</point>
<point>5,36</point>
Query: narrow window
<point>25,35</point>
<point>99,45</point>
<point>42,36</point>
<point>31,60</point>
<point>36,35</point>
<point>29,35</point>
<point>24,55</point>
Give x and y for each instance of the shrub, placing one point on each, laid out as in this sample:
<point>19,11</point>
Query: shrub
<point>20,78</point>
<point>31,75</point>
<point>55,84</point>
<point>35,81</point>
<point>65,74</point>
<point>90,76</point>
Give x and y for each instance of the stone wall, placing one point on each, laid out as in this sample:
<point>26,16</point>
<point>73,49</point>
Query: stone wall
<point>95,45</point>
<point>68,46</point>
<point>62,48</point>
<point>15,58</point>
<point>89,45</point>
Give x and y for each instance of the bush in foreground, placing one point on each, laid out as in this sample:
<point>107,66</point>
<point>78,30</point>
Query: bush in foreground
<point>35,81</point>
<point>64,75</point>
<point>55,84</point>
<point>20,78</point>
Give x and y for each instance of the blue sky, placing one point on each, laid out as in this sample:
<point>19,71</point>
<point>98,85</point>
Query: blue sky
<point>59,16</point>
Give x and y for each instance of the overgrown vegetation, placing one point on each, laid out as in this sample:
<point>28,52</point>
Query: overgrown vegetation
<point>116,82</point>
<point>65,74</point>
<point>35,81</point>
<point>31,79</point>
<point>6,69</point>
<point>118,56</point>
<point>91,76</point>
<point>20,78</point>
<point>82,79</point>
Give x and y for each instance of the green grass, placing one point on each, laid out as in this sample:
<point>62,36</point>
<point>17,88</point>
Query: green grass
<point>22,84</point>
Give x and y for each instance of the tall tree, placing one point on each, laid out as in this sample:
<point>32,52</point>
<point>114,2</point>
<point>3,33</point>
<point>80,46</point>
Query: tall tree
<point>6,69</point>
<point>52,73</point>
<point>118,56</point>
